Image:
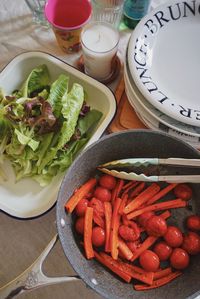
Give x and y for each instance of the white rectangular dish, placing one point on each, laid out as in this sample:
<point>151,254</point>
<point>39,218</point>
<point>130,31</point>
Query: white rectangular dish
<point>26,198</point>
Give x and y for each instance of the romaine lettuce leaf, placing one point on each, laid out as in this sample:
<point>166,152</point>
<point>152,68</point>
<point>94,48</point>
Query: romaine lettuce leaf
<point>58,89</point>
<point>37,80</point>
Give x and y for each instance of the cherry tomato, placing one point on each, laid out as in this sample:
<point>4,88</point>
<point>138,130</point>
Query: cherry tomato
<point>142,219</point>
<point>149,261</point>
<point>102,193</point>
<point>191,243</point>
<point>133,246</point>
<point>97,205</point>
<point>173,236</point>
<point>163,250</point>
<point>156,226</point>
<point>107,181</point>
<point>129,233</point>
<point>79,225</point>
<point>179,259</point>
<point>193,222</point>
<point>81,207</point>
<point>183,191</point>
<point>98,236</point>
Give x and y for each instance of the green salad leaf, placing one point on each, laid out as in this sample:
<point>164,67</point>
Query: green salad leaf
<point>43,126</point>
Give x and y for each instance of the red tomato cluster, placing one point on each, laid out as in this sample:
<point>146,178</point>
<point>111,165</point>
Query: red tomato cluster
<point>174,246</point>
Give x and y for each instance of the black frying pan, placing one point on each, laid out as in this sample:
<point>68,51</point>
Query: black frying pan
<point>137,143</point>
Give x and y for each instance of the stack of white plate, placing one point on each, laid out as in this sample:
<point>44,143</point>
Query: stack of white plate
<point>162,69</point>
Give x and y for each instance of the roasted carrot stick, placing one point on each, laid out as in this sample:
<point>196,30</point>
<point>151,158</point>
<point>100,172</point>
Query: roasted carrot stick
<point>162,273</point>
<point>146,277</point>
<point>162,193</point>
<point>158,283</point>
<point>128,188</point>
<point>127,185</point>
<point>142,198</point>
<point>116,191</point>
<point>98,219</point>
<point>126,252</point>
<point>123,203</point>
<point>149,241</point>
<point>112,267</point>
<point>79,194</point>
<point>137,190</point>
<point>175,203</point>
<point>165,214</point>
<point>114,228</point>
<point>89,252</point>
<point>108,217</point>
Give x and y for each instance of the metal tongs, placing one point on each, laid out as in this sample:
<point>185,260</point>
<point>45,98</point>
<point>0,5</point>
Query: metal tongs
<point>141,169</point>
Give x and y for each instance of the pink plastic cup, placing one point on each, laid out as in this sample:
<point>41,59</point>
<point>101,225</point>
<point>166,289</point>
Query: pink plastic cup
<point>67,18</point>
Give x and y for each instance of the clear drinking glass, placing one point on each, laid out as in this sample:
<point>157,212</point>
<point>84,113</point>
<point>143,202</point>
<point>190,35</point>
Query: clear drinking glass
<point>37,9</point>
<point>109,11</point>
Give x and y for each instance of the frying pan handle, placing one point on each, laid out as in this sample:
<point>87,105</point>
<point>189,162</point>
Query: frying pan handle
<point>33,277</point>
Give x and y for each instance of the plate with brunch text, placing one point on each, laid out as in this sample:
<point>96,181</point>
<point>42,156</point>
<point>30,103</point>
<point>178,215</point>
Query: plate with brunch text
<point>163,55</point>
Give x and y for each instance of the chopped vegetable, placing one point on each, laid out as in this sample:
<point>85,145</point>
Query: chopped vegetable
<point>108,217</point>
<point>142,198</point>
<point>176,203</point>
<point>114,229</point>
<point>79,194</point>
<point>89,252</point>
<point>158,283</point>
<point>43,127</point>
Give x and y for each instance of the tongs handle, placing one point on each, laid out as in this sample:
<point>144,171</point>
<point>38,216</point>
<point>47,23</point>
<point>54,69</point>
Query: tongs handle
<point>137,162</point>
<point>180,162</point>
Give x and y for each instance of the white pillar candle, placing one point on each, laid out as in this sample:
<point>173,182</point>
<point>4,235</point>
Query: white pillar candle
<point>99,44</point>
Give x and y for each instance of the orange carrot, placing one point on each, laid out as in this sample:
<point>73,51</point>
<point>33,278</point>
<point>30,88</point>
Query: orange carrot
<point>112,267</point>
<point>89,252</point>
<point>123,203</point>
<point>136,269</point>
<point>127,185</point>
<point>108,217</point>
<point>162,273</point>
<point>114,228</point>
<point>98,219</point>
<point>79,194</point>
<point>137,190</point>
<point>175,203</point>
<point>126,252</point>
<point>142,198</point>
<point>146,277</point>
<point>158,283</point>
<point>148,242</point>
<point>165,214</point>
<point>116,191</point>
<point>162,193</point>
<point>128,188</point>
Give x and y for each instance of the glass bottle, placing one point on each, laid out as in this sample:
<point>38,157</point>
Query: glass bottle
<point>134,10</point>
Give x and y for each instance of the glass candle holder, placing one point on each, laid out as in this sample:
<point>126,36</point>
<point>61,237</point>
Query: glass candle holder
<point>99,42</point>
<point>109,11</point>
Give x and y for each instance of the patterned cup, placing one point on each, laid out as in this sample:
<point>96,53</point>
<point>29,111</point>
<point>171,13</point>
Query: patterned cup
<point>67,18</point>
